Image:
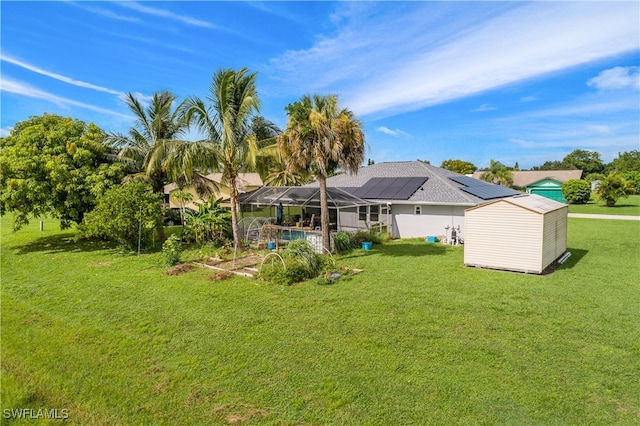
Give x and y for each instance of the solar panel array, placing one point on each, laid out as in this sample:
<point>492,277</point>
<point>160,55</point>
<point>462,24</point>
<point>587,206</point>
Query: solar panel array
<point>484,190</point>
<point>390,188</point>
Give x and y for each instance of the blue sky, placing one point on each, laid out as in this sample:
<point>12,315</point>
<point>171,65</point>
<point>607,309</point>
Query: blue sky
<point>512,81</point>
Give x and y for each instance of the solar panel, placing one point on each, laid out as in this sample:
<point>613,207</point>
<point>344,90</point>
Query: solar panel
<point>481,189</point>
<point>390,188</point>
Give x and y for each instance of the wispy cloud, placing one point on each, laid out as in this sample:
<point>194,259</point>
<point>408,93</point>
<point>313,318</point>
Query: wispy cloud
<point>617,78</point>
<point>530,98</point>
<point>5,131</point>
<point>103,12</point>
<point>60,77</point>
<point>485,108</point>
<point>22,89</point>
<point>390,132</point>
<point>370,63</point>
<point>166,14</point>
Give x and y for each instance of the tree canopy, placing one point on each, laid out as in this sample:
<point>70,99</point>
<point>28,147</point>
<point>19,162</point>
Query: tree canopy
<point>459,166</point>
<point>56,166</point>
<point>628,161</point>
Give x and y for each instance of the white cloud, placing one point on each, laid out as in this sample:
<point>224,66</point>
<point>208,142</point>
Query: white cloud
<point>22,89</point>
<point>103,12</point>
<point>390,132</point>
<point>166,14</point>
<point>60,77</point>
<point>369,61</point>
<point>617,78</point>
<point>485,108</point>
<point>530,98</point>
<point>5,131</point>
<point>524,143</point>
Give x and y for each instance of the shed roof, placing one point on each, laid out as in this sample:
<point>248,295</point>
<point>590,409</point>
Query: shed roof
<point>532,202</point>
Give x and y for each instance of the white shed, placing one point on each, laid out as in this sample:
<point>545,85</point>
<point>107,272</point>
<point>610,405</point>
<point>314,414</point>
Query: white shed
<point>525,233</point>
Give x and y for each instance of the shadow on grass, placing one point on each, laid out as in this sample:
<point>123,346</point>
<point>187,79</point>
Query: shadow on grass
<point>576,255</point>
<point>400,250</point>
<point>60,243</point>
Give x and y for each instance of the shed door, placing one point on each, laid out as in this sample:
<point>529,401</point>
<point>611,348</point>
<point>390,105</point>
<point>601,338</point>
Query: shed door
<point>553,194</point>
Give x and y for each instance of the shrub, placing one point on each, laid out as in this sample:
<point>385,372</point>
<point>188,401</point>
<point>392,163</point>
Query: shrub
<point>576,191</point>
<point>343,241</point>
<point>613,187</point>
<point>127,214</point>
<point>361,236</point>
<point>171,250</point>
<point>633,177</point>
<point>300,263</point>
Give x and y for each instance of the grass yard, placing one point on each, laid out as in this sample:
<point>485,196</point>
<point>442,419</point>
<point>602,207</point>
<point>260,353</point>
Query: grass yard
<point>414,339</point>
<point>624,206</point>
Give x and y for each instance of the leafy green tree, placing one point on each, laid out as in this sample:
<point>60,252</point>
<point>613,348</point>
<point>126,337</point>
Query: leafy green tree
<point>226,124</point>
<point>594,176</point>
<point>319,137</point>
<point>626,162</point>
<point>459,166</point>
<point>126,214</point>
<point>613,187</point>
<point>581,159</point>
<point>576,191</point>
<point>550,165</point>
<point>633,177</point>
<point>51,165</point>
<point>498,173</point>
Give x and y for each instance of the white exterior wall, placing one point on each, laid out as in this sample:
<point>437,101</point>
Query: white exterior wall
<point>555,236</point>
<point>504,236</point>
<point>431,221</point>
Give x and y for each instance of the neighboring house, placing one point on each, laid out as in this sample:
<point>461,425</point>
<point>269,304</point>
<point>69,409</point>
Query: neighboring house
<point>246,182</point>
<point>525,233</point>
<point>547,183</point>
<point>411,198</point>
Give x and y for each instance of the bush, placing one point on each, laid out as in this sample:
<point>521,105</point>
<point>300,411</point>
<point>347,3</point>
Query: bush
<point>343,242</point>
<point>576,191</point>
<point>300,263</point>
<point>613,187</point>
<point>171,250</point>
<point>125,214</point>
<point>361,236</point>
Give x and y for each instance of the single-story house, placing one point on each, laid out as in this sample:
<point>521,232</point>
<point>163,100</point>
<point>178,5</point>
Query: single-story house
<point>246,182</point>
<point>411,198</point>
<point>547,183</point>
<point>525,233</point>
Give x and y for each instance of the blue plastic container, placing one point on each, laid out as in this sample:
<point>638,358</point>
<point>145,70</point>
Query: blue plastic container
<point>271,245</point>
<point>366,245</point>
<point>431,239</point>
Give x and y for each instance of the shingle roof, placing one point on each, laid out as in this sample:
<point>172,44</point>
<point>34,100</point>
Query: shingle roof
<point>438,189</point>
<point>523,178</point>
<point>243,181</point>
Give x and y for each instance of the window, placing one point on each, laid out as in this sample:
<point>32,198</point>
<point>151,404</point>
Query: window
<point>418,210</point>
<point>362,213</point>
<point>373,213</point>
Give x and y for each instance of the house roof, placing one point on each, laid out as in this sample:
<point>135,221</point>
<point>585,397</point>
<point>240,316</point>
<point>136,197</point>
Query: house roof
<point>438,188</point>
<point>524,178</point>
<point>532,202</point>
<point>243,181</point>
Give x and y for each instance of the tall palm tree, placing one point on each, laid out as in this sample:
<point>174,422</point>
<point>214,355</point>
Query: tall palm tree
<point>226,124</point>
<point>147,144</point>
<point>319,137</point>
<point>498,173</point>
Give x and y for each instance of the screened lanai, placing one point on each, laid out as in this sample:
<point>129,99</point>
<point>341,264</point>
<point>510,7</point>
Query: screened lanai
<point>300,207</point>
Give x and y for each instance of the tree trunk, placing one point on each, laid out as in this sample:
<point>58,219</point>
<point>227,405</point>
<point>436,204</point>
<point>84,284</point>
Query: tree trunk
<point>233,198</point>
<point>324,213</point>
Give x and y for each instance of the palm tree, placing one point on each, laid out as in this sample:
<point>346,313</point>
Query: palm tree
<point>498,173</point>
<point>226,124</point>
<point>318,138</point>
<point>146,145</point>
<point>613,187</point>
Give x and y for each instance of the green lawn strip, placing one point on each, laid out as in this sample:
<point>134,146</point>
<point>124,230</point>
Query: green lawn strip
<point>416,338</point>
<point>625,206</point>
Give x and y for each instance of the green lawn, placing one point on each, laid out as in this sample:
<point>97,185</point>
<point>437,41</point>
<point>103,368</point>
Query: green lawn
<point>414,339</point>
<point>624,206</point>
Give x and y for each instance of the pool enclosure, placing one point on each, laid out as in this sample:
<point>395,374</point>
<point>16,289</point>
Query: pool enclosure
<point>297,211</point>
